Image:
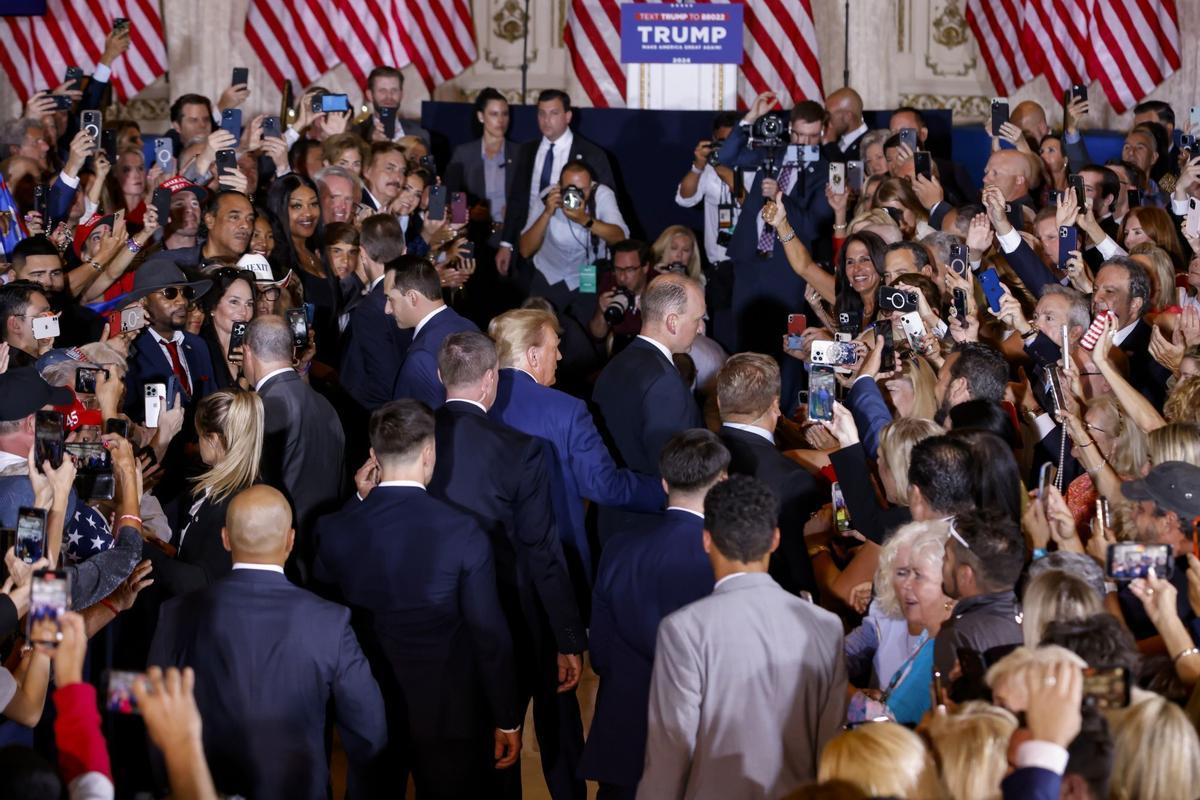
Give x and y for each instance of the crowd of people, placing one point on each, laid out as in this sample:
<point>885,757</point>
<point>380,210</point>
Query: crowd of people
<point>330,457</point>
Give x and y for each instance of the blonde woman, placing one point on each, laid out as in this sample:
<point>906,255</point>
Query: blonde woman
<point>1175,441</point>
<point>1157,753</point>
<point>230,426</point>
<point>882,759</point>
<point>677,245</point>
<point>972,748</point>
<point>1055,595</point>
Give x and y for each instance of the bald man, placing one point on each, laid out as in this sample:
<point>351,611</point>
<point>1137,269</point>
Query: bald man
<point>1030,117</point>
<point>269,658</point>
<point>846,126</point>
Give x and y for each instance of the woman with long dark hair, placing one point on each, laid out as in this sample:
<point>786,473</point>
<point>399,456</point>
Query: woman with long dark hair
<point>231,300</point>
<point>858,274</point>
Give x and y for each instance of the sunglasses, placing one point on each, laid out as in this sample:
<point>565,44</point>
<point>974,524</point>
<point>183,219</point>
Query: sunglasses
<point>171,292</point>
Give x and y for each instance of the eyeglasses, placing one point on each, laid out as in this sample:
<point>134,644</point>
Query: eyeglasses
<point>232,274</point>
<point>171,292</point>
<point>271,293</point>
<point>627,270</point>
<point>957,536</point>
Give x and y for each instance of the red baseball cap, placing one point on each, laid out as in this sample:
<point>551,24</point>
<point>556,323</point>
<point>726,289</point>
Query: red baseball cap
<point>178,184</point>
<point>84,230</point>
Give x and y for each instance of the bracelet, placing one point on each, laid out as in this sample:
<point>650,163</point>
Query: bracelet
<point>1089,443</point>
<point>785,239</point>
<point>132,246</point>
<point>697,170</point>
<point>1191,651</point>
<point>133,517</point>
<point>96,265</point>
<point>115,612</point>
<point>1039,552</point>
<point>841,226</point>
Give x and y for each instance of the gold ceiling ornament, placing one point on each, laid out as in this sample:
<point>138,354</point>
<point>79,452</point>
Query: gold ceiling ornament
<point>510,21</point>
<point>950,26</point>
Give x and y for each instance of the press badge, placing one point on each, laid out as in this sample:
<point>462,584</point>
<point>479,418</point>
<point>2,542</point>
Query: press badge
<point>587,279</point>
<point>725,217</point>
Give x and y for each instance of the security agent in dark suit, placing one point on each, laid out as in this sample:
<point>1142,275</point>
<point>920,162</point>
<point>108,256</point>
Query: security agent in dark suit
<point>414,301</point>
<point>502,478</point>
<point>484,168</point>
<point>748,398</point>
<point>558,146</point>
<point>420,577</point>
<point>765,289</point>
<point>303,441</point>
<point>270,660</point>
<point>645,574</point>
<point>845,108</point>
<point>385,89</point>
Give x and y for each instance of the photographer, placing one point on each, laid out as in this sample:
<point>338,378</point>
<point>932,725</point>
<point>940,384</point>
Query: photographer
<point>619,307</point>
<point>570,228</point>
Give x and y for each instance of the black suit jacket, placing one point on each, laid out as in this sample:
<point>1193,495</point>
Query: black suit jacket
<point>372,350</point>
<point>1145,374</point>
<point>464,173</point>
<point>428,605</point>
<point>796,492</point>
<point>501,477</point>
<point>201,557</point>
<point>270,660</point>
<point>517,213</point>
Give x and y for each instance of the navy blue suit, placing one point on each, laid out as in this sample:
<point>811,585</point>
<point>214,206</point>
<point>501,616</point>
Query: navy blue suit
<point>148,363</point>
<point>645,574</point>
<point>501,477</point>
<point>372,351</point>
<point>418,378</point>
<point>428,612</point>
<point>270,658</point>
<point>584,467</point>
<point>1031,783</point>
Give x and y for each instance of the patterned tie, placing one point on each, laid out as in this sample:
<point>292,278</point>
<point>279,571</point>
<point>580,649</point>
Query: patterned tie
<point>547,168</point>
<point>177,368</point>
<point>766,239</point>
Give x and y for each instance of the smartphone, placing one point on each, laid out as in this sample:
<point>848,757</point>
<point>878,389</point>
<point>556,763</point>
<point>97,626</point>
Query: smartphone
<point>1194,116</point>
<point>913,327</point>
<point>959,299</point>
<point>841,514</point>
<point>1077,91</point>
<point>49,599</point>
<point>458,208</point>
<point>30,542</point>
<point>48,438</point>
<point>854,176</point>
<point>1068,240</point>
<point>332,103</point>
<point>1065,333</point>
<point>1106,688</point>
<point>796,323</point>
<point>908,136</point>
<point>1129,560</point>
<point>231,121</point>
<point>155,394</point>
<point>887,358</point>
<point>127,320</point>
<point>1076,183</point>
<point>62,102</point>
<point>1054,384</point>
<point>298,323</point>
<point>118,426</point>
<point>387,118</point>
<point>810,153</point>
<point>108,143</point>
<point>237,338</point>
<point>271,129</point>
<point>849,324</point>
<point>833,354</point>
<point>1187,142</point>
<point>923,164</point>
<point>93,470</point>
<point>120,25</point>
<point>85,379</point>
<point>1046,476</point>
<point>226,161</point>
<point>310,313</point>
<point>287,99</point>
<point>1193,218</point>
<point>162,204</point>
<point>90,122</point>
<point>164,155</point>
<point>990,281</point>
<point>118,690</point>
<point>74,78</point>
<point>999,114</point>
<point>896,214</point>
<point>893,299</point>
<point>41,204</point>
<point>837,178</point>
<point>45,326</point>
<point>241,75</point>
<point>437,203</point>
<point>466,250</point>
<point>8,540</point>
<point>173,392</point>
<point>822,391</point>
<point>959,254</point>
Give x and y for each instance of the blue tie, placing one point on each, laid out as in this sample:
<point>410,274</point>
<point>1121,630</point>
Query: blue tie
<point>547,168</point>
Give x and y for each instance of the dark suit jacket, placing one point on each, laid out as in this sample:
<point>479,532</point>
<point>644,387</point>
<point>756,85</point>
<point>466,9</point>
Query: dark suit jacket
<point>371,350</point>
<point>201,557</point>
<point>517,213</point>
<point>1031,783</point>
<point>645,574</point>
<point>417,377</point>
<point>269,659</point>
<point>465,170</point>
<point>427,602</point>
<point>366,129</point>
<point>643,402</point>
<point>501,477</point>
<point>584,469</point>
<point>866,515</point>
<point>1145,374</point>
<point>148,363</point>
<point>797,495</point>
<point>302,452</point>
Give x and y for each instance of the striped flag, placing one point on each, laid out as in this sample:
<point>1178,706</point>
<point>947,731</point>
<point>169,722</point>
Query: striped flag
<point>779,51</point>
<point>1135,47</point>
<point>1055,41</point>
<point>291,39</point>
<point>997,26</point>
<point>367,36</point>
<point>439,36</point>
<point>36,51</point>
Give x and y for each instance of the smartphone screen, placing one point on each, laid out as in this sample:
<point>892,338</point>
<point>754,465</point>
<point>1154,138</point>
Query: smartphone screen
<point>1129,560</point>
<point>30,541</point>
<point>334,103</point>
<point>822,391</point>
<point>1106,688</point>
<point>49,599</point>
<point>298,324</point>
<point>118,426</point>
<point>458,208</point>
<point>118,692</point>
<point>841,515</point>
<point>1046,478</point>
<point>48,438</point>
<point>85,380</point>
<point>923,164</point>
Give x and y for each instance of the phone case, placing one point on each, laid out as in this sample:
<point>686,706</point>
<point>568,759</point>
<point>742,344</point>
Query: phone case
<point>1068,240</point>
<point>154,395</point>
<point>990,281</point>
<point>822,392</point>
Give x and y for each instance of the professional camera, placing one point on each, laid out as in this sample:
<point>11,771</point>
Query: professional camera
<point>572,198</point>
<point>620,304</point>
<point>714,159</point>
<point>769,132</point>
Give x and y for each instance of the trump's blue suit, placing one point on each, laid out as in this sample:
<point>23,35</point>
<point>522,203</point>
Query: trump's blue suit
<point>645,574</point>
<point>584,468</point>
<point>418,376</point>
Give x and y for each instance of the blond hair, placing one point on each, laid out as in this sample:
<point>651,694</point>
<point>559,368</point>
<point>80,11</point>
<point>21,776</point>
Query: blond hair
<point>514,332</point>
<point>1183,403</point>
<point>659,248</point>
<point>1056,595</point>
<point>236,418</point>
<point>1161,271</point>
<point>923,541</point>
<point>896,441</point>
<point>1128,454</point>
<point>882,759</point>
<point>1175,441</point>
<point>1157,752</point>
<point>972,747</point>
<point>747,385</point>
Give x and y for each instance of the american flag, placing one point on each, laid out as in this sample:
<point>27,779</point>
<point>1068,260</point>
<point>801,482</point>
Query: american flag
<point>36,51</point>
<point>301,41</point>
<point>779,51</point>
<point>1129,46</point>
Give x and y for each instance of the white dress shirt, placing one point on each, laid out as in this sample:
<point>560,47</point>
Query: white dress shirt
<point>712,191</point>
<point>259,567</point>
<point>659,346</point>
<point>728,577</point>
<point>177,338</point>
<point>409,484</point>
<point>686,510</point>
<point>1123,334</point>
<point>562,151</point>
<point>567,245</point>
<point>848,139</point>
<point>258,386</point>
<point>475,403</point>
<point>757,431</point>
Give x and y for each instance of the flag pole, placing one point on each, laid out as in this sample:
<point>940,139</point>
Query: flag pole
<point>845,51</point>
<point>525,54</point>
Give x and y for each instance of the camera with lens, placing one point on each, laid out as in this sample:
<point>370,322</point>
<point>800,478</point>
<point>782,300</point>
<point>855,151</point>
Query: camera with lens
<point>618,307</point>
<point>769,132</point>
<point>572,198</point>
<point>675,267</point>
<point>714,157</point>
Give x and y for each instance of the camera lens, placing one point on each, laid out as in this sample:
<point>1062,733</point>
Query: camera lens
<point>614,312</point>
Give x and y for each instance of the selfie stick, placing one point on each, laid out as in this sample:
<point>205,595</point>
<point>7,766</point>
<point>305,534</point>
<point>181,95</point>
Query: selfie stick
<point>846,50</point>
<point>525,54</point>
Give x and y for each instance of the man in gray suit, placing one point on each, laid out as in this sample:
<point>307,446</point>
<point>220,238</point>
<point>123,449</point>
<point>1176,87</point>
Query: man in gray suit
<point>749,683</point>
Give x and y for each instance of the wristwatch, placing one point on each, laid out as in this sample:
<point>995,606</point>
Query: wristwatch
<point>591,221</point>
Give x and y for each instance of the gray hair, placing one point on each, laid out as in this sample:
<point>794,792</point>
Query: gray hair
<point>939,243</point>
<point>1080,312</point>
<point>1081,566</point>
<point>334,171</point>
<point>13,132</point>
<point>1139,281</point>
<point>871,138</point>
<point>270,338</point>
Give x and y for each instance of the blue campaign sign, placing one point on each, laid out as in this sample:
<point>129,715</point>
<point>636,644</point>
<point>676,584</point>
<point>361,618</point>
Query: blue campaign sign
<point>669,33</point>
<point>22,8</point>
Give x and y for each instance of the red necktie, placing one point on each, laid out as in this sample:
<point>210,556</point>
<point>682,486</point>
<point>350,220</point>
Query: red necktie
<point>177,367</point>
